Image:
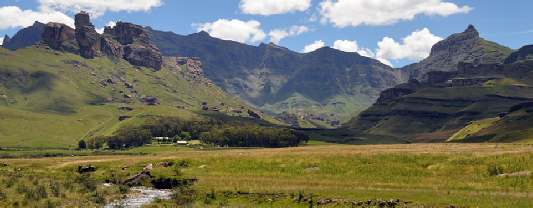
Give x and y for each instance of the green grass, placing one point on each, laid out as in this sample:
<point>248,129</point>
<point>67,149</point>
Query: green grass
<point>472,128</point>
<point>432,175</point>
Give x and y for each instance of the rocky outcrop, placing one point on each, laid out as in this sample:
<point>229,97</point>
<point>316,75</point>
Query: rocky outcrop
<point>111,47</point>
<point>86,36</point>
<point>25,37</point>
<point>137,47</point>
<point>141,55</point>
<point>60,37</point>
<point>461,47</point>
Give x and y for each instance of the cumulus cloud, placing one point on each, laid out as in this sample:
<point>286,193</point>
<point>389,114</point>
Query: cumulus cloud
<point>271,7</point>
<point>236,30</point>
<point>1,41</point>
<point>414,47</point>
<point>277,35</point>
<point>109,24</point>
<point>14,17</point>
<point>99,7</point>
<point>344,13</point>
<point>314,46</point>
<point>352,46</point>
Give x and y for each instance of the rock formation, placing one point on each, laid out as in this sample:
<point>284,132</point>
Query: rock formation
<point>86,36</point>
<point>137,47</point>
<point>6,40</point>
<point>60,37</point>
<point>124,41</point>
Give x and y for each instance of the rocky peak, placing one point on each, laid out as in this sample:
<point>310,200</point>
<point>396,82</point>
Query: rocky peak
<point>25,37</point>
<point>87,37</point>
<point>6,40</point>
<point>128,33</point>
<point>467,37</point>
<point>83,19</point>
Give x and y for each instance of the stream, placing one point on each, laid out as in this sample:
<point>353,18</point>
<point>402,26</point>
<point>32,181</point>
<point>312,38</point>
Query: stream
<point>140,196</point>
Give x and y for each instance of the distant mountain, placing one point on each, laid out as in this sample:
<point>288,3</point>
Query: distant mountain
<point>323,86</point>
<point>475,103</point>
<point>25,37</point>
<point>461,47</point>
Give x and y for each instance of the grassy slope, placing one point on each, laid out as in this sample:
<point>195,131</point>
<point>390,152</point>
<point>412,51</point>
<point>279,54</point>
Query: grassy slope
<point>435,175</point>
<point>53,99</point>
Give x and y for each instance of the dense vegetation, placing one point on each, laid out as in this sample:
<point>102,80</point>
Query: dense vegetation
<point>218,132</point>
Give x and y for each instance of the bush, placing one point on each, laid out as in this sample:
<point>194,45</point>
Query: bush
<point>82,144</point>
<point>253,136</point>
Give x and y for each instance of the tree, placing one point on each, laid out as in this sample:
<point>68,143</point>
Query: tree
<point>82,144</point>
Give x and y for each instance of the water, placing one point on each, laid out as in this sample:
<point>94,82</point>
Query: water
<point>141,196</point>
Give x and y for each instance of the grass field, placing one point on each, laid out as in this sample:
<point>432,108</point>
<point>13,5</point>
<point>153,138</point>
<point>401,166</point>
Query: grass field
<point>430,175</point>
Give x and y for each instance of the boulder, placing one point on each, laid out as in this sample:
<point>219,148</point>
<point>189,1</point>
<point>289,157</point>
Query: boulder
<point>86,169</point>
<point>253,114</point>
<point>60,37</point>
<point>150,101</point>
<point>86,36</point>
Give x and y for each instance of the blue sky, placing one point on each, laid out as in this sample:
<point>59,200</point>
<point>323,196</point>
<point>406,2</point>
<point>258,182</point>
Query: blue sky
<point>506,22</point>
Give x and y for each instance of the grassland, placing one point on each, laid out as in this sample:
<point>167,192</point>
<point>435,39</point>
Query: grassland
<point>431,175</point>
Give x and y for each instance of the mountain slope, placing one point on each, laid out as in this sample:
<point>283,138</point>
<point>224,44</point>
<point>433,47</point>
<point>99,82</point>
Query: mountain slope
<point>53,99</point>
<point>324,86</point>
<point>461,47</point>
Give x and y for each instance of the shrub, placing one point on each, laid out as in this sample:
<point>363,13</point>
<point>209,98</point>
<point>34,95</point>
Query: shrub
<point>82,144</point>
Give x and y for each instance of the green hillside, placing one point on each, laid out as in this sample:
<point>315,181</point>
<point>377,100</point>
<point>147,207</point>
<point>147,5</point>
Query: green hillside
<point>53,99</point>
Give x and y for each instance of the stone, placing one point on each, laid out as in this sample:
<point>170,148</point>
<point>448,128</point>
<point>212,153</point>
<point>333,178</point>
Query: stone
<point>253,114</point>
<point>150,100</point>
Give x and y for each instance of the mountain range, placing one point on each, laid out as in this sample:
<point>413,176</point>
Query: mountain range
<point>469,89</point>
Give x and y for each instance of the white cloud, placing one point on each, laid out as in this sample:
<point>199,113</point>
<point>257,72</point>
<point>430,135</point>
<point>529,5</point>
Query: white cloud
<point>271,7</point>
<point>414,47</point>
<point>352,46</point>
<point>277,35</point>
<point>1,41</point>
<point>314,46</point>
<point>236,30</point>
<point>14,17</point>
<point>109,24</point>
<point>99,7</point>
<point>344,13</point>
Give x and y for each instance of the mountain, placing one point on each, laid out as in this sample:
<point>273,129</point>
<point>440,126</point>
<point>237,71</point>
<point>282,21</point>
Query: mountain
<point>461,47</point>
<point>73,86</point>
<point>25,37</point>
<point>322,87</point>
<point>475,103</point>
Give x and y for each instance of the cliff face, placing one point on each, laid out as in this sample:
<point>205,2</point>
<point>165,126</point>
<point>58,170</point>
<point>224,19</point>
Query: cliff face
<point>461,47</point>
<point>128,41</point>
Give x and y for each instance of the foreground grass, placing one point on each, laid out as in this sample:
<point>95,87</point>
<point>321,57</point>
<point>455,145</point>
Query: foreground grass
<point>435,175</point>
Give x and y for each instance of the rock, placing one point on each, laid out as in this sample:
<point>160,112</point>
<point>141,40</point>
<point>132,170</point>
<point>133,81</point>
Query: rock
<point>86,169</point>
<point>122,118</point>
<point>516,174</point>
<point>205,107</point>
<point>128,33</point>
<point>253,114</point>
<point>25,37</point>
<point>146,56</point>
<point>150,101</point>
<point>86,36</point>
<point>137,179</point>
<point>60,37</point>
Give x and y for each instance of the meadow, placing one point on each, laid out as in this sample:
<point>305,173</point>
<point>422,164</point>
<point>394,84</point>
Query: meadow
<point>424,175</point>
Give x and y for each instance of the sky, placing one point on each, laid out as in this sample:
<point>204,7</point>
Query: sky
<point>396,32</point>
